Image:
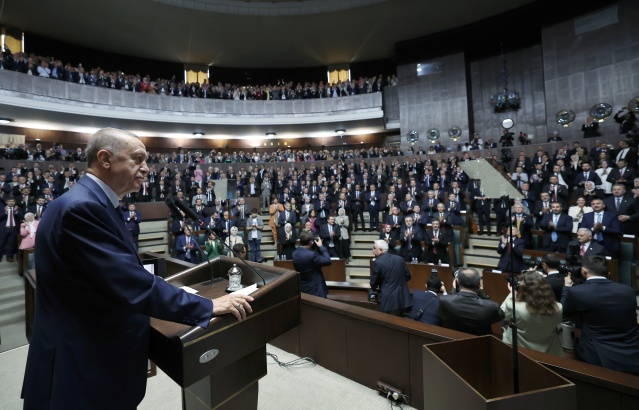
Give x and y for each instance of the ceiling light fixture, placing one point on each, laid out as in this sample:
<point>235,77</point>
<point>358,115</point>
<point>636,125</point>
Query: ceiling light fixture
<point>198,134</point>
<point>271,134</point>
<point>6,120</point>
<point>340,132</point>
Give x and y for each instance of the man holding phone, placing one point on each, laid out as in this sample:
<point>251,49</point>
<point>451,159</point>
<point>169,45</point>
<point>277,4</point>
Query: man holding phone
<point>308,260</point>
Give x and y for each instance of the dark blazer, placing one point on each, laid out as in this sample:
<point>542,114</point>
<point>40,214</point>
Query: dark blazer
<point>556,282</point>
<point>594,248</point>
<point>563,229</point>
<point>309,262</point>
<point>466,312</point>
<point>606,313</point>
<point>390,274</point>
<point>429,302</point>
<point>180,249</point>
<point>628,175</point>
<point>101,318</point>
<point>610,234</point>
<point>517,251</point>
<point>445,238</point>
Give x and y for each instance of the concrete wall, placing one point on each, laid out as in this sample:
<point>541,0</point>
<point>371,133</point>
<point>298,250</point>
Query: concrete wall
<point>434,101</point>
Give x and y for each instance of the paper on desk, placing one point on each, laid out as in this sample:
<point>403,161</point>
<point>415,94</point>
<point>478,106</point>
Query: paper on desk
<point>188,289</point>
<point>246,291</point>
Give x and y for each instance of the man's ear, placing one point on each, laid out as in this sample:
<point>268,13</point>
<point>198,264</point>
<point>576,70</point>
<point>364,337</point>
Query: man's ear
<point>104,159</point>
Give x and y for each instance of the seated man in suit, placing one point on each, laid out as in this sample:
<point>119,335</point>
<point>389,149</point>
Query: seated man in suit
<point>584,245</point>
<point>437,240</point>
<point>411,237</point>
<point>604,226</point>
<point>389,274</point>
<point>607,315</point>
<point>557,227</point>
<point>186,246</point>
<point>511,259</point>
<point>426,303</point>
<point>464,310</point>
<point>331,236</point>
<point>626,207</point>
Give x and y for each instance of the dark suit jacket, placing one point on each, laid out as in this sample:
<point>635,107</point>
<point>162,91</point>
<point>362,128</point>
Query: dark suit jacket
<point>628,175</point>
<point>180,251</point>
<point>91,331</point>
<point>466,312</point>
<point>594,248</point>
<point>309,262</point>
<point>390,274</point>
<point>429,302</point>
<point>517,251</point>
<point>610,234</point>
<point>563,229</point>
<point>445,238</point>
<point>556,282</point>
<point>605,312</point>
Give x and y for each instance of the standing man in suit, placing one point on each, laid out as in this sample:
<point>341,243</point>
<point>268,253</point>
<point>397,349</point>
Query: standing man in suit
<point>464,310</point>
<point>331,236</point>
<point>437,241</point>
<point>626,207</point>
<point>511,259</point>
<point>550,263</point>
<point>10,219</point>
<point>623,174</point>
<point>604,225</point>
<point>411,237</point>
<point>241,212</point>
<point>308,260</point>
<point>186,246</point>
<point>357,206</point>
<point>253,234</point>
<point>606,313</point>
<point>389,274</point>
<point>373,198</point>
<point>557,227</point>
<point>132,221</point>
<point>482,206</point>
<point>95,298</point>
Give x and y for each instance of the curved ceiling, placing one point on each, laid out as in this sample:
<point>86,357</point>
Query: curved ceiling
<point>247,33</point>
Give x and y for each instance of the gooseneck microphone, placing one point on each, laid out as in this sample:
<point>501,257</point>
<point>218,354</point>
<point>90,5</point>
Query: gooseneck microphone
<point>189,212</point>
<point>177,214</point>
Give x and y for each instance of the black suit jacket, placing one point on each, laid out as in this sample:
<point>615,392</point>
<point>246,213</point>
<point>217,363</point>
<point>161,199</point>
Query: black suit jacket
<point>466,312</point>
<point>606,313</point>
<point>389,274</point>
<point>556,282</point>
<point>563,229</point>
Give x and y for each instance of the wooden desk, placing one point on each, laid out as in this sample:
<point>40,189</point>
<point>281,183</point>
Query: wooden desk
<point>335,272</point>
<point>420,272</point>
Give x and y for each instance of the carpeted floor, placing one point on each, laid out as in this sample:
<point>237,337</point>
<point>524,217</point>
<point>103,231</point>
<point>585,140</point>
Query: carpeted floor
<point>302,387</point>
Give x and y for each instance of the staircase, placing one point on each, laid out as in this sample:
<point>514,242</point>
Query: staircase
<point>12,331</point>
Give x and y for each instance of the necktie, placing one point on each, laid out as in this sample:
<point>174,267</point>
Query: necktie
<point>434,247</point>
<point>618,203</point>
<point>518,228</point>
<point>599,236</point>
<point>583,249</point>
<point>553,235</point>
<point>11,220</point>
<point>410,239</point>
<point>38,212</point>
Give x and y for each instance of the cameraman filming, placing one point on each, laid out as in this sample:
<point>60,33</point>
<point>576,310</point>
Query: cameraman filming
<point>606,313</point>
<point>308,260</point>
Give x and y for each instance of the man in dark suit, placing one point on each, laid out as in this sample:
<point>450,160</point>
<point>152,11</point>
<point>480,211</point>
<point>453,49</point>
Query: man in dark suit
<point>331,236</point>
<point>389,274</point>
<point>357,206</point>
<point>582,177</point>
<point>186,246</point>
<point>224,225</point>
<point>132,221</point>
<point>557,191</point>
<point>10,219</point>
<point>606,313</point>
<point>511,259</point>
<point>550,264</point>
<point>38,208</point>
<point>465,310</point>
<point>626,207</point>
<point>482,207</point>
<point>308,260</point>
<point>623,174</point>
<point>584,245</point>
<point>437,240</point>
<point>373,198</point>
<point>426,303</point>
<point>625,152</point>
<point>604,225</point>
<point>101,318</point>
<point>411,237</point>
<point>557,227</point>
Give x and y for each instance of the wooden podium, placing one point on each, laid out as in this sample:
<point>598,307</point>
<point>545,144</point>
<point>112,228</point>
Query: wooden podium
<point>219,367</point>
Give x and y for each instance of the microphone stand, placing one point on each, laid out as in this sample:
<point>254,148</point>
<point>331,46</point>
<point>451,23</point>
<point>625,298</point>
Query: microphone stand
<point>176,212</point>
<point>196,219</point>
<point>513,320</point>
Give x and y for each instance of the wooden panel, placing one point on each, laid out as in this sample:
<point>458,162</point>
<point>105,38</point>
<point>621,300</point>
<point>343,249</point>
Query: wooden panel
<point>336,271</point>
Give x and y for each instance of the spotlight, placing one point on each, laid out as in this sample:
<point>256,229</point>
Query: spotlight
<point>199,134</point>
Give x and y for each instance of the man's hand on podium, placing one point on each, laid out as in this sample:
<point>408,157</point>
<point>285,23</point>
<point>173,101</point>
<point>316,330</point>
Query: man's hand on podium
<point>238,305</point>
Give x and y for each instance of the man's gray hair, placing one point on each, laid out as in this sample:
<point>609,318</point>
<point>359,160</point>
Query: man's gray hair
<point>469,278</point>
<point>381,245</point>
<point>109,139</point>
<point>585,230</point>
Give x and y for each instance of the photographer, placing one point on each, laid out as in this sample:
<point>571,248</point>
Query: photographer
<point>426,303</point>
<point>605,312</point>
<point>550,263</point>
<point>308,260</point>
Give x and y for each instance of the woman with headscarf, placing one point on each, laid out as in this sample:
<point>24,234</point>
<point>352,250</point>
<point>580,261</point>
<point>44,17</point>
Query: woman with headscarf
<point>28,231</point>
<point>233,239</point>
<point>345,243</point>
<point>287,239</point>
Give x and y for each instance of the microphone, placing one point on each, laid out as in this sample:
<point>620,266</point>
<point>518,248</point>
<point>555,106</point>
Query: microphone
<point>192,215</point>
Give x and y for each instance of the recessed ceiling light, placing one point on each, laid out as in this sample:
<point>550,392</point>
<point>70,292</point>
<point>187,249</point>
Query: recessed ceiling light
<point>271,134</point>
<point>198,134</point>
<point>340,132</point>
<point>6,120</point>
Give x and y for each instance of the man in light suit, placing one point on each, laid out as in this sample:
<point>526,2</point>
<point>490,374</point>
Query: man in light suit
<point>606,313</point>
<point>604,225</point>
<point>308,260</point>
<point>389,274</point>
<point>94,296</point>
<point>557,227</point>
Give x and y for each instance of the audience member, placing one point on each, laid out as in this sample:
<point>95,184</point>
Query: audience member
<point>426,303</point>
<point>308,260</point>
<point>389,274</point>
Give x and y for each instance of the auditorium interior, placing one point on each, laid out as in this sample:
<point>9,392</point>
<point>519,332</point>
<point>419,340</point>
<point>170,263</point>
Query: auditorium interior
<point>418,100</point>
